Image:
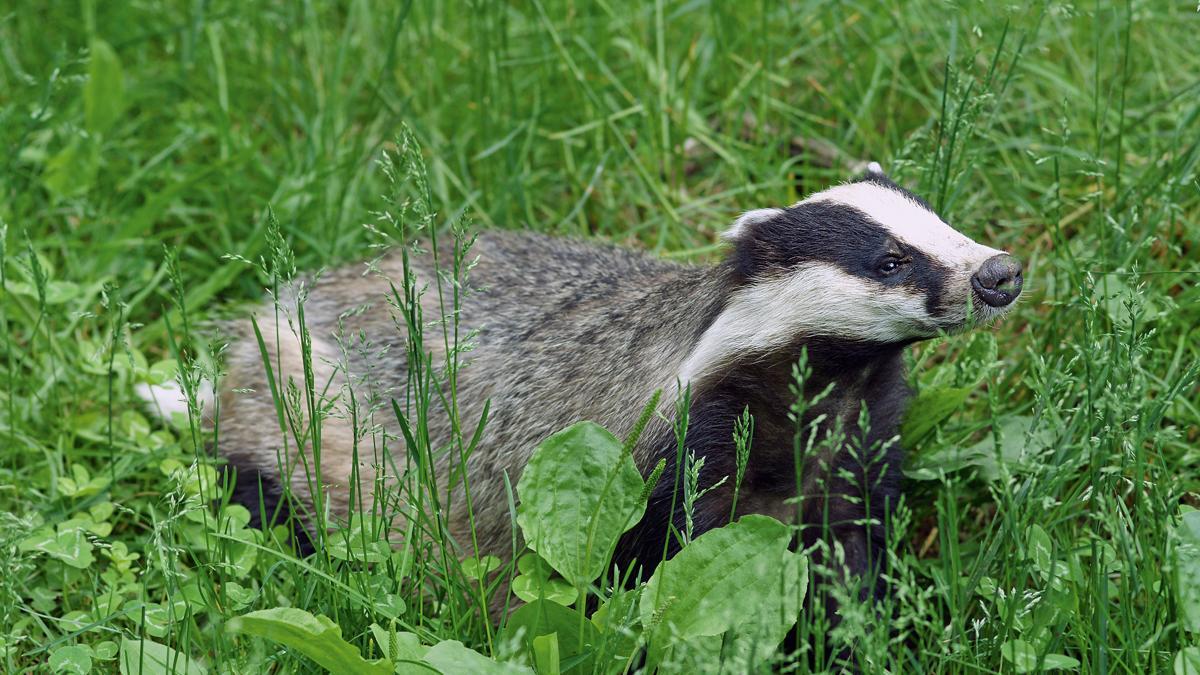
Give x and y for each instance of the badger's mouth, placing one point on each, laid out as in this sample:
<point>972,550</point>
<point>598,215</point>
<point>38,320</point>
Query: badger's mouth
<point>985,296</point>
<point>980,314</point>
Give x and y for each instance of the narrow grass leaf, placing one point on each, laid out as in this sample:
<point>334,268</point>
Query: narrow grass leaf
<point>928,410</point>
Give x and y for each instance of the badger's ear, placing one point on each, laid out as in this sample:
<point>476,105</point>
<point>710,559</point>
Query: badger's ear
<point>742,227</point>
<point>875,170</point>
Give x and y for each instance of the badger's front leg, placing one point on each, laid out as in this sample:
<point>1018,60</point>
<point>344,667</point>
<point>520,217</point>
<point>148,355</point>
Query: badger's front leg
<point>659,535</point>
<point>845,521</point>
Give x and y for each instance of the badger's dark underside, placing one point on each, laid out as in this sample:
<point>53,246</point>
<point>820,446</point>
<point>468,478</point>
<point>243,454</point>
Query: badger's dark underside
<point>262,494</point>
<point>850,482</point>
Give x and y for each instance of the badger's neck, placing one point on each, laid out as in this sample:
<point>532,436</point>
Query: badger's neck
<point>762,382</point>
<point>735,327</point>
<point>690,329</point>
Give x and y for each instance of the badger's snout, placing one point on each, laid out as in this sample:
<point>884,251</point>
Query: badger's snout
<point>998,280</point>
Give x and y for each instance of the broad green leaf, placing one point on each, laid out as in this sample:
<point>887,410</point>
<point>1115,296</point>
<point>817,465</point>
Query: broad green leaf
<point>70,546</point>
<point>620,624</point>
<point>74,659</point>
<point>721,581</point>
<point>399,645</point>
<point>362,541</point>
<point>316,637</point>
<point>73,170</point>
<point>353,548</point>
<point>102,511</point>
<point>163,372</point>
<point>237,595</point>
<point>578,495</point>
<point>745,646</point>
<point>105,650</point>
<point>1020,654</point>
<point>160,617</point>
<point>530,564</point>
<point>1187,569</point>
<point>1024,658</point>
<point>1187,661</point>
<point>762,632</point>
<point>545,654</point>
<point>530,588</point>
<point>1059,662</point>
<point>147,657</point>
<point>931,406</point>
<point>1123,303</point>
<point>452,658</point>
<point>104,95</point>
<point>57,293</point>
<point>479,568</point>
<point>1040,548</point>
<point>541,618</point>
<point>42,539</point>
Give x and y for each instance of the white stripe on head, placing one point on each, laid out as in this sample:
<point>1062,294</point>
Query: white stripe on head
<point>748,218</point>
<point>909,222</point>
<point>816,299</point>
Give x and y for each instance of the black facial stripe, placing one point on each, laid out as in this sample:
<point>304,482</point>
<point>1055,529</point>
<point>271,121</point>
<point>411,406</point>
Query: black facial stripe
<point>928,276</point>
<point>811,232</point>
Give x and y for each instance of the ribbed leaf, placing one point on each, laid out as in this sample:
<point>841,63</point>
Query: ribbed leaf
<point>726,579</point>
<point>578,495</point>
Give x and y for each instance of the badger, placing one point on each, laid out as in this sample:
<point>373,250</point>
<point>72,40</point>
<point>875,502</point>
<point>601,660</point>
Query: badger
<point>565,330</point>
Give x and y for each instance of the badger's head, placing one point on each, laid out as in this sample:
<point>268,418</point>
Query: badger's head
<point>865,262</point>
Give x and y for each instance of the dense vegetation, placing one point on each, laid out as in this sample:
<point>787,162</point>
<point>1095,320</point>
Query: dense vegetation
<point>164,162</point>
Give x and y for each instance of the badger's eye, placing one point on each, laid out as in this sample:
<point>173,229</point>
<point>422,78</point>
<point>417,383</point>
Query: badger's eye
<point>890,265</point>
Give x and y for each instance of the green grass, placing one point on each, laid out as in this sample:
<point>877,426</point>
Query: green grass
<point>1067,134</point>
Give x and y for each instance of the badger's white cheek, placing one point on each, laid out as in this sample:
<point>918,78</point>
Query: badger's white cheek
<point>912,318</point>
<point>816,300</point>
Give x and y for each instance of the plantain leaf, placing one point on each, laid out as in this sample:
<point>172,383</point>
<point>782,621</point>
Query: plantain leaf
<point>104,95</point>
<point>728,578</point>
<point>316,637</point>
<point>451,657</point>
<point>72,171</point>
<point>578,494</point>
<point>1187,569</point>
<point>543,617</point>
<point>147,657</point>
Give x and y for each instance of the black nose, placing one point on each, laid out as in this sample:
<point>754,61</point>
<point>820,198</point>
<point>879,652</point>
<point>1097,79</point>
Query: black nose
<point>998,280</point>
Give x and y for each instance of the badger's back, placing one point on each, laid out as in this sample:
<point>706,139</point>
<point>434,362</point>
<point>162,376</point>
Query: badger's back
<point>559,331</point>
